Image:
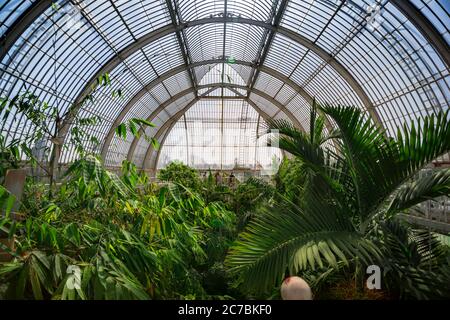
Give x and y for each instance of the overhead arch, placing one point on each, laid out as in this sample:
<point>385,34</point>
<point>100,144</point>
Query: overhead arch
<point>148,164</point>
<point>20,25</point>
<point>37,8</point>
<point>183,93</point>
<point>165,128</point>
<point>410,37</point>
<point>425,27</point>
<point>183,68</point>
<point>157,34</point>
<point>416,17</point>
<point>281,108</point>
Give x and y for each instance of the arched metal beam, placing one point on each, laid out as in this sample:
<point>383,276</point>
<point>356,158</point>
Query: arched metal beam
<point>425,27</point>
<point>117,122</point>
<point>38,8</point>
<point>160,108</point>
<point>163,31</point>
<point>153,166</point>
<point>170,124</point>
<point>183,68</point>
<point>167,125</point>
<point>179,95</point>
<point>183,93</point>
<point>21,24</point>
<point>267,40</point>
<point>276,74</point>
<point>174,15</point>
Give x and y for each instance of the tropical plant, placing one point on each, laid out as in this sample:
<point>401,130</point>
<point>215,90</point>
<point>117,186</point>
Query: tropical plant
<point>6,201</point>
<point>99,252</point>
<point>49,123</point>
<point>290,178</point>
<point>9,155</point>
<point>214,191</point>
<point>123,244</point>
<point>350,195</point>
<point>249,196</point>
<point>177,172</point>
<point>137,127</point>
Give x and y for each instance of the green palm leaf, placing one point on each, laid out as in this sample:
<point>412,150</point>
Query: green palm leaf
<point>286,239</point>
<point>345,192</point>
<point>368,154</point>
<point>424,188</point>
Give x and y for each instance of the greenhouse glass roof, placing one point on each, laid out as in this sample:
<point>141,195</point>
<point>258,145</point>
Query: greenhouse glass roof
<point>191,65</point>
<point>224,134</point>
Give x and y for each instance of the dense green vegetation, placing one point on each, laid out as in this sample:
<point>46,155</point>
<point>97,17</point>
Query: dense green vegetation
<point>330,211</point>
<point>129,243</point>
<point>343,215</point>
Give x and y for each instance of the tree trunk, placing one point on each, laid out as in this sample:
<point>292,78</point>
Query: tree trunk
<point>53,164</point>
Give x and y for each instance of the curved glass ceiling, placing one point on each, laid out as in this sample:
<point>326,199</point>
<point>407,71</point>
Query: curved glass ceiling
<point>219,134</point>
<point>389,58</point>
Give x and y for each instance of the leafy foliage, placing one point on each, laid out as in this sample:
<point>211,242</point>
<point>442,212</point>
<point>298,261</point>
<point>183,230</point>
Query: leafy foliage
<point>290,179</point>
<point>126,244</point>
<point>9,155</point>
<point>347,200</point>
<point>136,126</point>
<point>331,211</point>
<point>178,172</point>
<point>48,123</point>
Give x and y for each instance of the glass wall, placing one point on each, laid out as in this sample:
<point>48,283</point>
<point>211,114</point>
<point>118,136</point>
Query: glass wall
<point>224,134</point>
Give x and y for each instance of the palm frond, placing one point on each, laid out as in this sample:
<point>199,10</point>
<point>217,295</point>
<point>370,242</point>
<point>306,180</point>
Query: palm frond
<point>368,154</point>
<point>421,189</point>
<point>317,162</point>
<point>343,193</point>
<point>295,141</point>
<point>420,144</point>
<point>421,284</point>
<point>416,259</point>
<point>316,125</point>
<point>433,253</point>
<point>286,239</point>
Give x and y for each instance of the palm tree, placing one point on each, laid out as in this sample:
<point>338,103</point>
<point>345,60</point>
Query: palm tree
<point>349,203</point>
